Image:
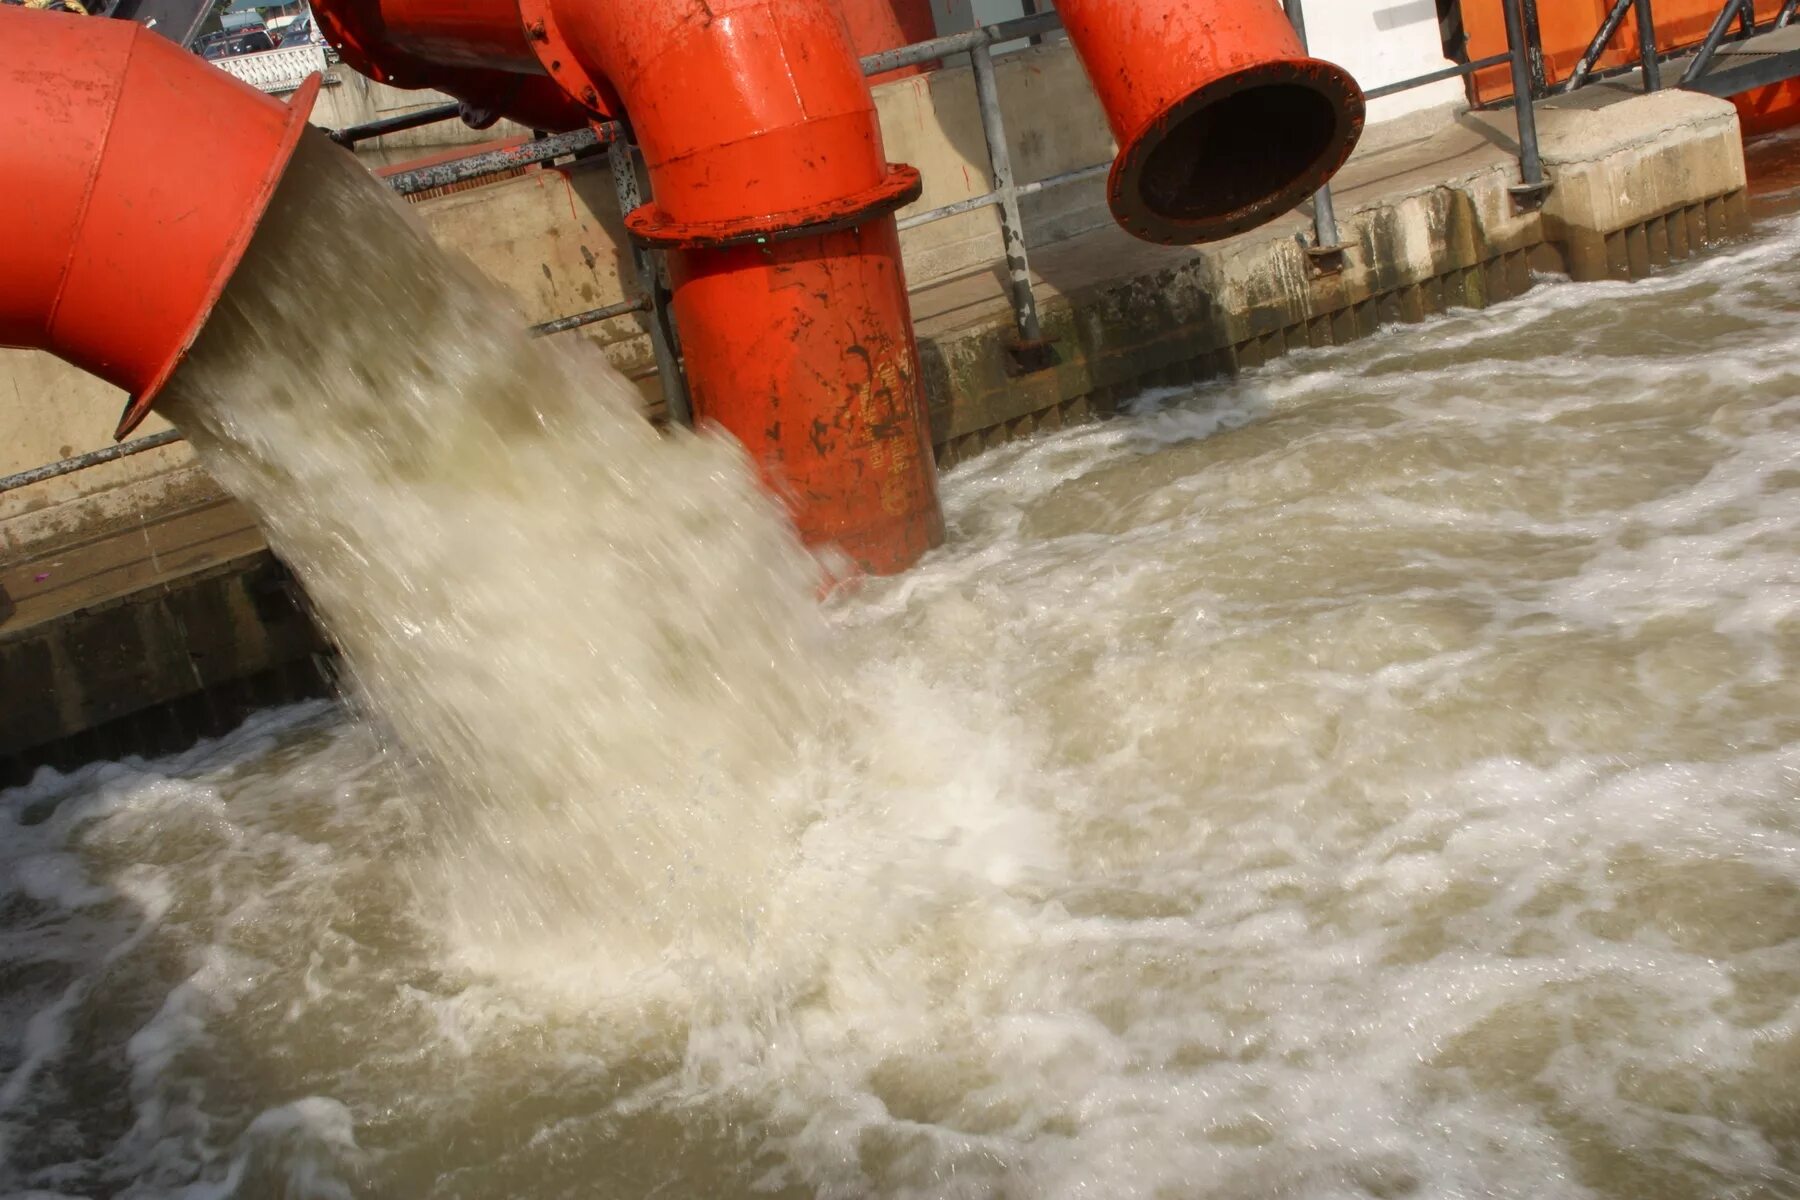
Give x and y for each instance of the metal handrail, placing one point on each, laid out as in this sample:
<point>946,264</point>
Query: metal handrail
<point>92,458</point>
<point>418,118</point>
<point>1533,186</point>
<point>1651,57</point>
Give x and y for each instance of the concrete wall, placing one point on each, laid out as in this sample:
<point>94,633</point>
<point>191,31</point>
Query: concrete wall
<point>52,411</point>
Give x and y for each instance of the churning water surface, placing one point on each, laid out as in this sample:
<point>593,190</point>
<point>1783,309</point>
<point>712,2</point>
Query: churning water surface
<point>1372,777</point>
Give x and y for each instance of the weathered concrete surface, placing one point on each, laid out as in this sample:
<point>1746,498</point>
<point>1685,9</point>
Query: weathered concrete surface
<point>51,411</point>
<point>1430,223</point>
<point>1630,196</point>
<point>190,604</point>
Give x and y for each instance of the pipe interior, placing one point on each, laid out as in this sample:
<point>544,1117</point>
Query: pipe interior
<point>1242,149</point>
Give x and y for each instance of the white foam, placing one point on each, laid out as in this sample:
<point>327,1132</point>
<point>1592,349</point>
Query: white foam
<point>1371,777</point>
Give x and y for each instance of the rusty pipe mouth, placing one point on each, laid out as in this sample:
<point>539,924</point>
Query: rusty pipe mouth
<point>1236,153</point>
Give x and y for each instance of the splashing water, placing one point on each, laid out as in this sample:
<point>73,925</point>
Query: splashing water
<point>1374,777</point>
<point>600,644</point>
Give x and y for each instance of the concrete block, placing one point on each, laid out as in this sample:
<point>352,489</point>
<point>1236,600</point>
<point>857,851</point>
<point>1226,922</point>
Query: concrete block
<point>1636,160</point>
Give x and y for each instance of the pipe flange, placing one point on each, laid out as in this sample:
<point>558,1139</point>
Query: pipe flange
<point>1156,210</point>
<point>561,63</point>
<point>650,226</point>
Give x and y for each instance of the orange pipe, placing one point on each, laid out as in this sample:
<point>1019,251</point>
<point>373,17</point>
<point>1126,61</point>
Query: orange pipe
<point>877,25</point>
<point>772,191</point>
<point>824,387</point>
<point>1223,122</point>
<point>775,199</point>
<point>142,172</point>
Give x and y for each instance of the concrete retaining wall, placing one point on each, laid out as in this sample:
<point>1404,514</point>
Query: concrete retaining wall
<point>1640,181</point>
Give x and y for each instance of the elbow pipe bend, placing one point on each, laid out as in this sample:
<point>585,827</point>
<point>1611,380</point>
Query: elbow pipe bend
<point>146,170</point>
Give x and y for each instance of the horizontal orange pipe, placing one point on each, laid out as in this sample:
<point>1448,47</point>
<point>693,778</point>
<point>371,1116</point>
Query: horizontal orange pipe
<point>141,171</point>
<point>1223,122</point>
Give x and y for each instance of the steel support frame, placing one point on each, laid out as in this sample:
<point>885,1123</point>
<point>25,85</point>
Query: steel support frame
<point>1532,187</point>
<point>1649,59</point>
<point>1743,12</point>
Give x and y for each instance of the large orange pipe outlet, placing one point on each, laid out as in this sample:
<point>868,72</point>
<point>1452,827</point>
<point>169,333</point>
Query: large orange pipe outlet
<point>1222,120</point>
<point>774,197</point>
<point>138,172</point>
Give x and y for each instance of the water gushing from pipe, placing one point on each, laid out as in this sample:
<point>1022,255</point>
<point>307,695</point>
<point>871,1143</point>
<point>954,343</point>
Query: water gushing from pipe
<point>425,467</point>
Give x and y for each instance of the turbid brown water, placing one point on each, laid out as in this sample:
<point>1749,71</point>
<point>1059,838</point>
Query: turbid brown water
<point>1374,776</point>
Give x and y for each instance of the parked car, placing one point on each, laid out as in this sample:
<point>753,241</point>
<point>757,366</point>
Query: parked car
<point>215,46</point>
<point>300,33</point>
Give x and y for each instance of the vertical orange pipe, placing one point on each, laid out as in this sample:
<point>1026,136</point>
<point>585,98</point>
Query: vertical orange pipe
<point>773,193</point>
<point>138,172</point>
<point>822,385</point>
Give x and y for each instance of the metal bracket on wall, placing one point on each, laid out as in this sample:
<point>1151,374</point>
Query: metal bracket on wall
<point>1327,260</point>
<point>1026,356</point>
<point>1529,197</point>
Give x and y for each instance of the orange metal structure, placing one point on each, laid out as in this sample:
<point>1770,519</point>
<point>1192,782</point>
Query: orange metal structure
<point>1222,120</point>
<point>143,171</point>
<point>1566,27</point>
